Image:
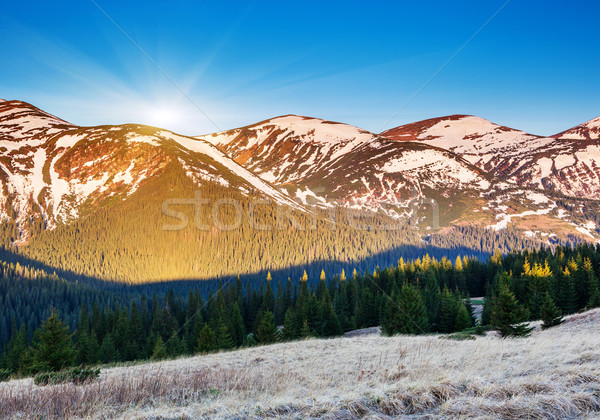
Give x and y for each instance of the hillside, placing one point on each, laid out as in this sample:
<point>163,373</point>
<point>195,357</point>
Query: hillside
<point>589,130</point>
<point>122,202</point>
<point>552,374</point>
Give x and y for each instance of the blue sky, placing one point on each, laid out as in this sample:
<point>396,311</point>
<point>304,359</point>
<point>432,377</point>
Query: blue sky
<point>535,66</point>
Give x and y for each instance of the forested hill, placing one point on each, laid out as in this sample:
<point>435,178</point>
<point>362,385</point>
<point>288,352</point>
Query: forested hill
<point>425,295</point>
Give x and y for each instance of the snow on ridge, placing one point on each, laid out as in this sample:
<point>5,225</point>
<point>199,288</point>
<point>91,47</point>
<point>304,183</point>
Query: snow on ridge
<point>310,129</point>
<point>320,130</point>
<point>203,147</point>
<point>431,160</point>
<point>589,130</point>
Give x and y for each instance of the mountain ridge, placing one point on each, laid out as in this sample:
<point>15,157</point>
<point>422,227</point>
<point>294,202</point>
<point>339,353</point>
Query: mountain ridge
<point>86,187</point>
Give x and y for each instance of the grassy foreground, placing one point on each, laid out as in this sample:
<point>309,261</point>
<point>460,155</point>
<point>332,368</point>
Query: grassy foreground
<point>552,374</point>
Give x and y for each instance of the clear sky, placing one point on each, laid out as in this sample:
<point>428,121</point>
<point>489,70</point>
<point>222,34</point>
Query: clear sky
<point>535,66</point>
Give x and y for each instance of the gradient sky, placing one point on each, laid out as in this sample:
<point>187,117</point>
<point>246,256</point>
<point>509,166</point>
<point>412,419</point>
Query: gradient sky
<point>535,66</point>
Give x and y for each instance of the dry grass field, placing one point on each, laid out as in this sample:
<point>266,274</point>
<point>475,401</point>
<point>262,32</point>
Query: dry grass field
<point>552,374</point>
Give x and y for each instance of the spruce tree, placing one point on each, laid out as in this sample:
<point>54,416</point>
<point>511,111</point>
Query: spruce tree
<point>207,340</point>
<point>448,311</point>
<point>17,349</point>
<point>432,297</point>
<point>108,352</point>
<point>508,317</point>
<point>463,318</point>
<point>408,313</point>
<point>291,329</point>
<point>550,313</point>
<point>594,300</point>
<point>266,333</point>
<point>330,324</point>
<point>53,350</point>
<point>160,350</point>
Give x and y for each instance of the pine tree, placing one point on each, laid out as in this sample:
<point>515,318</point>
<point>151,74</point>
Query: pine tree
<point>87,348</point>
<point>17,348</point>
<point>224,338</point>
<point>266,333</point>
<point>432,297</point>
<point>330,324</point>
<point>448,311</point>
<point>53,350</point>
<point>508,316</point>
<point>159,351</point>
<point>567,295</point>
<point>207,340</point>
<point>408,313</point>
<point>594,300</point>
<point>550,313</point>
<point>463,319</point>
<point>107,351</point>
<point>290,325</point>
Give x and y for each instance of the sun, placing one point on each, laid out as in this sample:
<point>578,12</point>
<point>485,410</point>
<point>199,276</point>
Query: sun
<point>163,116</point>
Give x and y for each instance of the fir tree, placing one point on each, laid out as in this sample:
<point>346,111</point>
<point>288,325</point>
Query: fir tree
<point>508,316</point>
<point>330,324</point>
<point>448,311</point>
<point>160,350</point>
<point>107,351</point>
<point>550,313</point>
<point>17,349</point>
<point>207,340</point>
<point>290,325</point>
<point>463,318</point>
<point>408,314</point>
<point>266,333</point>
<point>53,350</point>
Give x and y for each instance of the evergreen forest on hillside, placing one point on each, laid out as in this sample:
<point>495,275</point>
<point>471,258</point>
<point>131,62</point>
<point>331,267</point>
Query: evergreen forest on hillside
<point>419,296</point>
<point>125,241</point>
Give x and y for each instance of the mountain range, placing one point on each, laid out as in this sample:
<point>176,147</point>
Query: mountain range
<point>85,188</point>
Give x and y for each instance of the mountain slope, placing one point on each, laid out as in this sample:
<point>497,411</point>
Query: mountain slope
<point>589,130</point>
<point>561,163</point>
<point>338,164</point>
<point>61,169</point>
<point>481,142</point>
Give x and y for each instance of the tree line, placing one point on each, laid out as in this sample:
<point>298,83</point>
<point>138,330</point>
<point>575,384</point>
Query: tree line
<point>420,296</point>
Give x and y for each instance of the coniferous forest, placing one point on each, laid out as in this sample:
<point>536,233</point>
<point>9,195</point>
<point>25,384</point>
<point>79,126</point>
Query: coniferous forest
<point>87,325</point>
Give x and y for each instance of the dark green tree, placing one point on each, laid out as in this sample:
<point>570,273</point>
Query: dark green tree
<point>463,318</point>
<point>508,317</point>
<point>266,333</point>
<point>550,313</point>
<point>207,340</point>
<point>53,349</point>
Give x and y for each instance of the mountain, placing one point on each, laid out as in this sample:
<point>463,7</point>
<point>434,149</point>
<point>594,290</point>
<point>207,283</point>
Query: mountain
<point>561,163</point>
<point>485,144</point>
<point>477,172</point>
<point>51,167</point>
<point>133,203</point>
<point>20,120</point>
<point>589,130</point>
<point>340,165</point>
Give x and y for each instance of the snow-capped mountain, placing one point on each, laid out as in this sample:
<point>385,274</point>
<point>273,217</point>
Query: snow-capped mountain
<point>589,130</point>
<point>21,121</point>
<point>477,171</point>
<point>288,148</point>
<point>485,144</point>
<point>561,163</point>
<point>55,169</point>
<point>334,161</point>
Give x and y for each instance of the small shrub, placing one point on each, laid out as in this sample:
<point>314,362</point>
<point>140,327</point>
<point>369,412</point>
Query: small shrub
<point>5,375</point>
<point>78,375</point>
